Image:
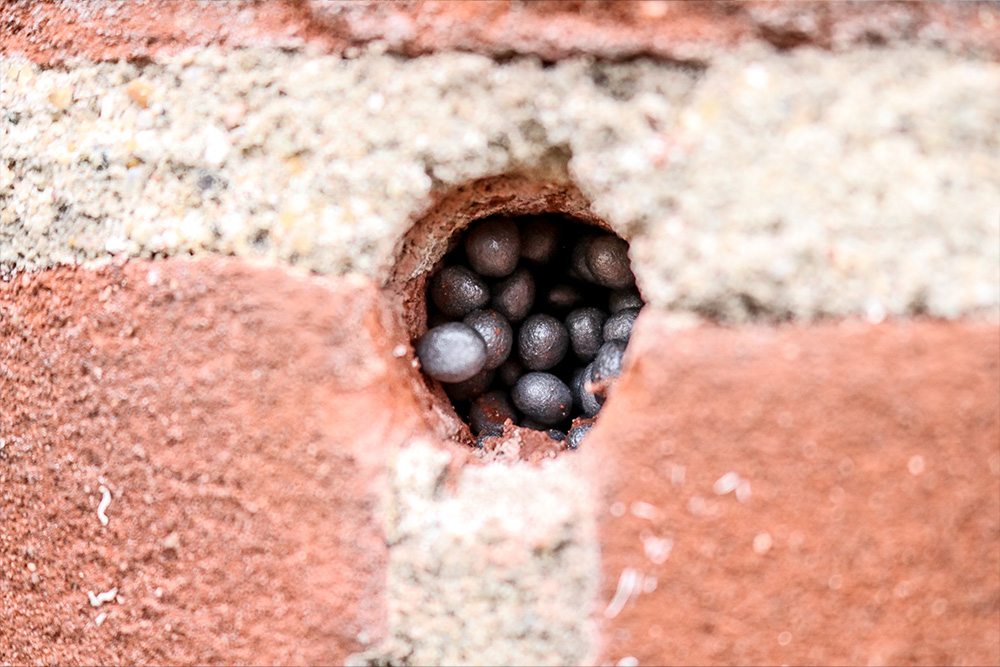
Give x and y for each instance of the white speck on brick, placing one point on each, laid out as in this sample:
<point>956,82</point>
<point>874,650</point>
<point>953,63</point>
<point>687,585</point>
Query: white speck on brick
<point>100,598</point>
<point>762,543</point>
<point>726,484</point>
<point>643,510</point>
<point>103,505</point>
<point>657,549</point>
<point>627,584</point>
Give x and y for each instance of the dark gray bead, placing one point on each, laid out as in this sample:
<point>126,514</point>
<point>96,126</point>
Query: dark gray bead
<point>562,298</point>
<point>585,326</point>
<point>543,397</point>
<point>607,259</point>
<point>576,435</point>
<point>619,325</point>
<point>493,247</point>
<point>542,342</point>
<point>490,411</point>
<point>474,386</point>
<point>585,400</point>
<point>578,259</point>
<point>539,240</point>
<point>556,434</point>
<point>514,296</point>
<point>608,362</point>
<point>489,431</point>
<point>510,372</point>
<point>625,298</point>
<point>452,352</point>
<point>496,333</point>
<point>457,291</point>
<point>533,424</point>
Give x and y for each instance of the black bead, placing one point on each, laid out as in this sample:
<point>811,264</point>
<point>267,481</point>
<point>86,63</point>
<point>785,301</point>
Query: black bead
<point>533,424</point>
<point>514,296</point>
<point>510,372</point>
<point>493,247</point>
<point>452,352</point>
<point>562,298</point>
<point>469,389</point>
<point>625,298</point>
<point>585,326</point>
<point>607,259</point>
<point>556,434</point>
<point>576,435</point>
<point>586,401</point>
<point>496,333</point>
<point>542,342</point>
<point>539,240</point>
<point>578,259</point>
<point>543,397</point>
<point>619,325</point>
<point>608,362</point>
<point>457,291</point>
<point>491,410</point>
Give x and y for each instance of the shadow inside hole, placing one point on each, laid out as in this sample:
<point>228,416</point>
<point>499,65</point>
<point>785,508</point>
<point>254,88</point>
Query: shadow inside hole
<point>553,349</point>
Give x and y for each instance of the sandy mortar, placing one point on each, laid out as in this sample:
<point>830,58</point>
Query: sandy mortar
<point>782,186</point>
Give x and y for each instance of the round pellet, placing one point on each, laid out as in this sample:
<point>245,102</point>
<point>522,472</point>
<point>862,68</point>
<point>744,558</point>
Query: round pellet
<point>626,298</point>
<point>457,291</point>
<point>496,333</point>
<point>586,326</point>
<point>607,259</point>
<point>562,298</point>
<point>619,326</point>
<point>489,431</point>
<point>510,372</point>
<point>514,296</point>
<point>469,389</point>
<point>452,352</point>
<point>533,424</point>
<point>491,410</point>
<point>543,397</point>
<point>578,259</point>
<point>576,435</point>
<point>539,240</point>
<point>586,401</point>
<point>493,247</point>
<point>542,342</point>
<point>608,362</point>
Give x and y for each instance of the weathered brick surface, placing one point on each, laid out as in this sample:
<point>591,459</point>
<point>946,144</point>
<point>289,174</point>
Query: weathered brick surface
<point>869,528</point>
<point>57,32</point>
<point>241,419</point>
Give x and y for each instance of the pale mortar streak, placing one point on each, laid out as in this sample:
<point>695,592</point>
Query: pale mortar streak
<point>777,185</point>
<point>522,568</point>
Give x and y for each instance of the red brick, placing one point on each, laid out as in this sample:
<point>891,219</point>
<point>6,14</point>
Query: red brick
<point>873,462</point>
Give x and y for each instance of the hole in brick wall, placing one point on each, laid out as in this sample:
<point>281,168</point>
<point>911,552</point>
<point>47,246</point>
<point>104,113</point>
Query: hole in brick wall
<point>519,303</point>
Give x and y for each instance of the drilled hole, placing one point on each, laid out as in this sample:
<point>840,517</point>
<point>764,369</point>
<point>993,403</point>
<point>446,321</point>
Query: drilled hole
<point>527,320</point>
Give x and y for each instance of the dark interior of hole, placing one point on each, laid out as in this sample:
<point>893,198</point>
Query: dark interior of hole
<point>565,284</point>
